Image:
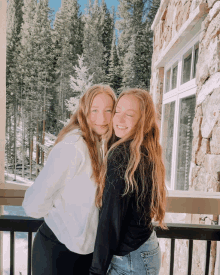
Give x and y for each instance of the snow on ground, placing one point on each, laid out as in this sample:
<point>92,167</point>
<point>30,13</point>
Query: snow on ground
<point>10,179</point>
<point>20,254</point>
<point>21,244</point>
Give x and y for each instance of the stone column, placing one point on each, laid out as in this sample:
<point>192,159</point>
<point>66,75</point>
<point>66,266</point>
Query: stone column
<point>3,5</point>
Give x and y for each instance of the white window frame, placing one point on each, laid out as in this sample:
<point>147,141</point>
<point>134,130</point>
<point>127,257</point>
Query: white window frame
<point>181,91</point>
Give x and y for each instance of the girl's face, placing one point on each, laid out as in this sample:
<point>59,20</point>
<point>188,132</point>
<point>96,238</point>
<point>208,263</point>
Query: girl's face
<point>127,115</point>
<point>101,113</point>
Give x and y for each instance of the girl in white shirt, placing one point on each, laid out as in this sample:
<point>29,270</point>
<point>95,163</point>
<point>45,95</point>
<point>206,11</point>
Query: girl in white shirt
<point>64,192</point>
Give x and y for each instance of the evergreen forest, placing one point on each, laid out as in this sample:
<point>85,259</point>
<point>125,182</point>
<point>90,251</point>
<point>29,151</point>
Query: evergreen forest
<point>53,58</point>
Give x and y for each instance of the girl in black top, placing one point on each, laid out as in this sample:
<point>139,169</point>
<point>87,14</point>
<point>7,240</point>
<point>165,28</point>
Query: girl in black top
<point>131,191</point>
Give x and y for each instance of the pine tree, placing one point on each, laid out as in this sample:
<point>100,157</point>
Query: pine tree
<point>135,43</point>
<point>114,76</point>
<point>79,83</point>
<point>107,30</point>
<point>68,30</point>
<point>82,80</point>
<point>26,49</point>
<point>27,74</point>
<point>14,21</point>
<point>93,49</point>
<point>44,76</point>
<point>35,61</point>
<point>154,6</point>
<point>129,76</point>
<point>124,25</point>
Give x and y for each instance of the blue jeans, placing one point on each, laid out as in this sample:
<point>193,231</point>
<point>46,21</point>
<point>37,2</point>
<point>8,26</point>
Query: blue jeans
<point>146,260</point>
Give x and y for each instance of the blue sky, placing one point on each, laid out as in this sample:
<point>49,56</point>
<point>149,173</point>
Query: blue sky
<point>55,4</point>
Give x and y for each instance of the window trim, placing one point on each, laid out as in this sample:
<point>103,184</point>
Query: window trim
<point>181,91</point>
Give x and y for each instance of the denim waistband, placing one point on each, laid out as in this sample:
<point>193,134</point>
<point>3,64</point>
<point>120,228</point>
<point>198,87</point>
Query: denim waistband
<point>153,235</point>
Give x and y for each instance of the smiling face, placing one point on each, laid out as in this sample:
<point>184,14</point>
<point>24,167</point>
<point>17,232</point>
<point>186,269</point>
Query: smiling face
<point>127,115</point>
<point>100,113</point>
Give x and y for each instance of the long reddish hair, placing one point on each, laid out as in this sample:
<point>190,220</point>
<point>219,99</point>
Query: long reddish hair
<point>144,135</point>
<point>79,120</point>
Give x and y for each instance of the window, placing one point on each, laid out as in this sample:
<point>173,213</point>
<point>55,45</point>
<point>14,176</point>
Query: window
<point>184,149</point>
<point>168,81</point>
<point>196,54</point>
<point>174,76</point>
<point>178,112</point>
<point>171,78</point>
<point>168,139</point>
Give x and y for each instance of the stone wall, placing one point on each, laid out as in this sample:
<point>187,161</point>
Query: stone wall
<point>205,161</point>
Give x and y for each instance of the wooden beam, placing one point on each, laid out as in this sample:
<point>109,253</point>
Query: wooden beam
<point>177,201</point>
<point>193,202</point>
<point>3,6</point>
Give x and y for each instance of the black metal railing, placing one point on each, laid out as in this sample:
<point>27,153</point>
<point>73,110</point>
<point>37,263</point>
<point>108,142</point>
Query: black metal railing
<point>189,232</point>
<point>19,224</point>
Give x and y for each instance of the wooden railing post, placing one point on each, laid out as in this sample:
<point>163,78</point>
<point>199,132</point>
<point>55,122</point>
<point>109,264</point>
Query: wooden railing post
<point>3,6</point>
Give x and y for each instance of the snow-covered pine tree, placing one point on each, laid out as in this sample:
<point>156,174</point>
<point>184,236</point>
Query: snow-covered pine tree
<point>82,80</point>
<point>14,21</point>
<point>93,49</point>
<point>124,25</point>
<point>133,32</point>
<point>114,76</point>
<point>154,6</point>
<point>148,38</point>
<point>26,49</point>
<point>107,30</point>
<point>43,66</point>
<point>129,75</point>
<point>28,78</point>
<point>79,83</point>
<point>144,51</point>
<point>67,35</point>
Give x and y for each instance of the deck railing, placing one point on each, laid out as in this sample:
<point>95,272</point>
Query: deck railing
<point>177,202</point>
<point>189,232</point>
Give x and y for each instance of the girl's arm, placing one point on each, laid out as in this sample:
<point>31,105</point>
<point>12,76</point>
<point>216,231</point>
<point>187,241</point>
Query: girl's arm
<point>39,197</point>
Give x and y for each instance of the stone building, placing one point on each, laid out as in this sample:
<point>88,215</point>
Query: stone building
<point>185,85</point>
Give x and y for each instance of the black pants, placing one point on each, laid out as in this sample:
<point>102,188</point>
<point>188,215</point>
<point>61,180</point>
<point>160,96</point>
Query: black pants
<point>51,257</point>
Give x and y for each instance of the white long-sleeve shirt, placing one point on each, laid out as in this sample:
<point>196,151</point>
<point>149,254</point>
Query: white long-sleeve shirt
<point>64,195</point>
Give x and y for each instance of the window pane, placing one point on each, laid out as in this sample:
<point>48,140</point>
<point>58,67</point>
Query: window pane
<point>168,81</point>
<point>167,139</point>
<point>174,77</point>
<point>196,55</point>
<point>187,113</point>
<point>187,67</point>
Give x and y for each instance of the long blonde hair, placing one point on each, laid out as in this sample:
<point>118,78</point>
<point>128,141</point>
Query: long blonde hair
<point>144,135</point>
<point>79,120</point>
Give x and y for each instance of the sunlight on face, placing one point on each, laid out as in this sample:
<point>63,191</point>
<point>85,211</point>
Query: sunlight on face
<point>126,116</point>
<point>100,113</point>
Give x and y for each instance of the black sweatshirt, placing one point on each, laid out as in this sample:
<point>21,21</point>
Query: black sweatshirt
<point>121,227</point>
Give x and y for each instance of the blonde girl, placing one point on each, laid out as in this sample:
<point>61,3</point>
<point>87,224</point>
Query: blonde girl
<point>64,192</point>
